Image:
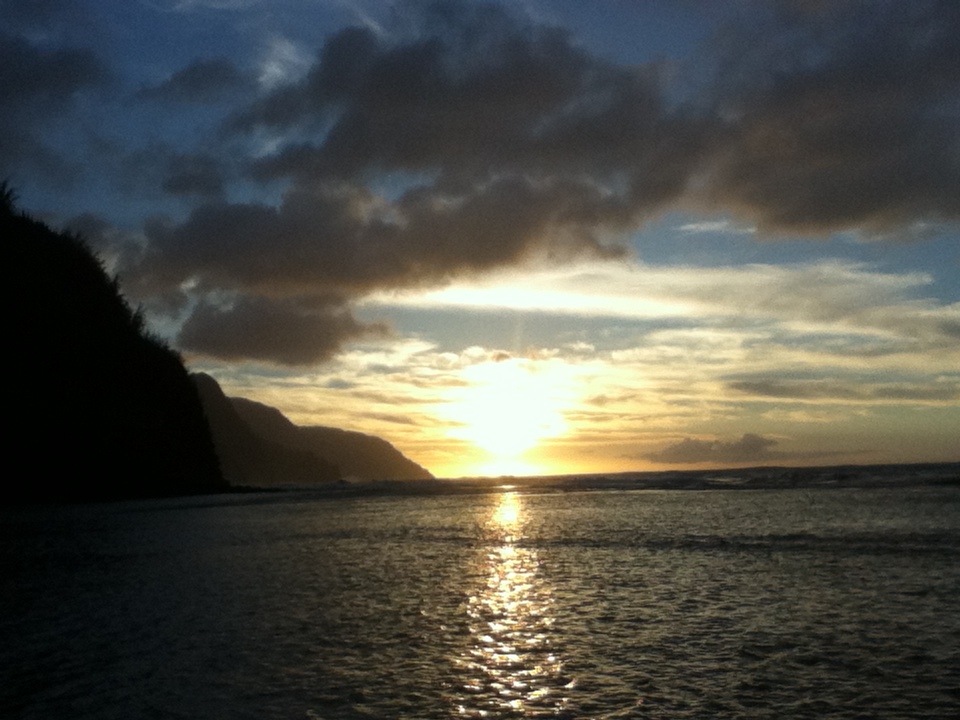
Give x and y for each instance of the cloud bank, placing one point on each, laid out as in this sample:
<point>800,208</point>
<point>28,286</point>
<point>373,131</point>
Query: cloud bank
<point>749,448</point>
<point>470,138</point>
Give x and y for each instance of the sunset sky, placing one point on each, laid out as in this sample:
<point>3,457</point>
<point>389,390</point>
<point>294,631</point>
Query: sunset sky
<point>533,236</point>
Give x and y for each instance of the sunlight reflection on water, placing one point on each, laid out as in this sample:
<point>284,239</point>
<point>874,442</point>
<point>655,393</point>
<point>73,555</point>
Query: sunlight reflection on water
<point>510,666</point>
<point>797,603</point>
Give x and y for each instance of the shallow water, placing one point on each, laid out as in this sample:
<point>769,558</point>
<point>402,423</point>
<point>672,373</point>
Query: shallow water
<point>803,603</point>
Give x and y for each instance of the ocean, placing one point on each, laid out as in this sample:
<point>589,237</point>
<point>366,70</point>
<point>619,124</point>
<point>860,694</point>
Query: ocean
<point>737,596</point>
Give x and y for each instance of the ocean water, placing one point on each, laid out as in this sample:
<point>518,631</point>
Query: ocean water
<point>511,602</point>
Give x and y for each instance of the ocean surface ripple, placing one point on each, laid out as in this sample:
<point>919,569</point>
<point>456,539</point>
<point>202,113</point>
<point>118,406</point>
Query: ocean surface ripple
<point>789,603</point>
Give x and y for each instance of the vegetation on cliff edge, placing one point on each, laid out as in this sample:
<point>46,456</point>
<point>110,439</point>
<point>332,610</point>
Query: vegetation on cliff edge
<point>98,408</point>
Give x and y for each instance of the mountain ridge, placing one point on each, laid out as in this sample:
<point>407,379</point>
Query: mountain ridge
<point>246,457</point>
<point>314,453</point>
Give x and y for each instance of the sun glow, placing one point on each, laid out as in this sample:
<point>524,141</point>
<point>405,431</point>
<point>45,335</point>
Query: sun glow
<point>507,407</point>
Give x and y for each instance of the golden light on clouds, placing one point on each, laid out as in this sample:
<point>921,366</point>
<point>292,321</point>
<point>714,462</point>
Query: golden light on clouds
<point>619,367</point>
<point>590,288</point>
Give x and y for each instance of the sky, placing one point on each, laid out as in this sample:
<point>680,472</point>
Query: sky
<point>526,236</point>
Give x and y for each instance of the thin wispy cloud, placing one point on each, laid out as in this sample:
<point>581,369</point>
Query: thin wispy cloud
<point>716,226</point>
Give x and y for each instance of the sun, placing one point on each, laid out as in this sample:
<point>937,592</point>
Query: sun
<point>507,407</point>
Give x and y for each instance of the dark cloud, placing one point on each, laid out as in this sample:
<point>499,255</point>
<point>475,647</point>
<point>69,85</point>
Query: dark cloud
<point>118,248</point>
<point>344,240</point>
<point>314,243</point>
<point>480,140</point>
<point>41,81</point>
<point>841,116</point>
<point>31,14</point>
<point>391,418</point>
<point>950,328</point>
<point>381,398</point>
<point>37,85</point>
<point>339,384</point>
<point>603,400</point>
<point>95,230</point>
<point>209,80</point>
<point>281,331</point>
<point>159,169</point>
<point>749,448</point>
<point>508,142</point>
<point>60,19</point>
<point>847,391</point>
<point>824,117</point>
<point>483,97</point>
<point>193,175</point>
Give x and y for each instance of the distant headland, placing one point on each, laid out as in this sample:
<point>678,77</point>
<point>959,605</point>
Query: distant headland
<point>259,446</point>
<point>99,408</point>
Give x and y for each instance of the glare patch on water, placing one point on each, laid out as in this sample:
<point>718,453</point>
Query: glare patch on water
<point>509,667</point>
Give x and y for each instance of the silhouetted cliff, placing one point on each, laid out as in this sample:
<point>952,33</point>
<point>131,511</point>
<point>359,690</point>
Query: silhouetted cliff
<point>247,433</point>
<point>98,408</point>
<point>247,458</point>
<point>365,457</point>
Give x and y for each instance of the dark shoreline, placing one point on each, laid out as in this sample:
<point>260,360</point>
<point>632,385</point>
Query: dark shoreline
<point>752,478</point>
<point>739,479</point>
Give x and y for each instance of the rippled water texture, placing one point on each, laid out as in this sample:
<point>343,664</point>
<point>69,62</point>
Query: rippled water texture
<point>835,603</point>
